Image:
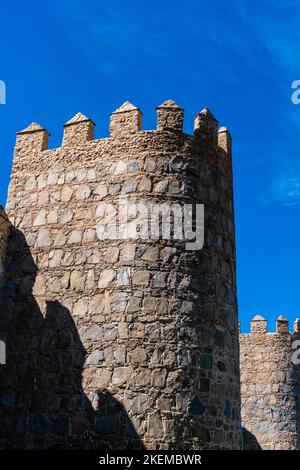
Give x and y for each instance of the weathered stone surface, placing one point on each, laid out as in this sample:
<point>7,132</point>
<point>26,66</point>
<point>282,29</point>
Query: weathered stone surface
<point>106,277</point>
<point>95,358</point>
<point>116,336</point>
<point>44,238</point>
<point>269,387</point>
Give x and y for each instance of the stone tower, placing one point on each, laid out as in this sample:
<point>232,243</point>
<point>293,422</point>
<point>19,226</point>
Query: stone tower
<point>270,385</point>
<point>117,339</point>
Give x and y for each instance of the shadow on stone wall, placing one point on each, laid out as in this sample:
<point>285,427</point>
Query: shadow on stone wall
<point>249,441</point>
<point>42,402</point>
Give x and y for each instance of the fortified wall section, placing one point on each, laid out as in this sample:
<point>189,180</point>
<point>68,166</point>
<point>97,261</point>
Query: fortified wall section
<point>120,342</point>
<point>270,374</point>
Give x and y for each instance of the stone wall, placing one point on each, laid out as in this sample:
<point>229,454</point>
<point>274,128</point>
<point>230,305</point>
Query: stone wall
<point>127,342</point>
<point>270,386</point>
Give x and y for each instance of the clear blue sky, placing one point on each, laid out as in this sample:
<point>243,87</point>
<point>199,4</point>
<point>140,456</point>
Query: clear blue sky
<point>239,58</point>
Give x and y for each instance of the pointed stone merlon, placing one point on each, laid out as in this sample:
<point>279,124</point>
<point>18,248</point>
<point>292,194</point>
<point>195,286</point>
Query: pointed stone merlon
<point>297,325</point>
<point>224,140</point>
<point>169,116</point>
<point>282,325</point>
<point>34,137</point>
<point>78,131</point>
<point>206,126</point>
<point>125,121</point>
<point>258,324</point>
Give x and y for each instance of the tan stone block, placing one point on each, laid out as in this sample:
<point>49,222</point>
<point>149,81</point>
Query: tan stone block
<point>138,355</point>
<point>102,378</point>
<point>60,239</point>
<point>43,198</point>
<point>30,184</point>
<point>112,255</point>
<point>81,307</point>
<point>66,216</point>
<point>121,376</point>
<point>158,378</point>
<point>66,193</point>
<point>39,287</point>
<point>55,258</point>
<point>44,238</point>
<point>145,184</point>
<point>106,278</point>
<point>52,217</point>
<point>77,280</point>
<point>141,278</point>
<point>83,192</point>
<point>40,219</point>
<point>89,235</point>
<point>65,280</point>
<point>100,191</point>
<point>75,236</point>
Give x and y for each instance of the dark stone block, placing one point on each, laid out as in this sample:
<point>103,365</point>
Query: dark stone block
<point>107,424</point>
<point>67,359</point>
<point>203,434</point>
<point>21,425</point>
<point>204,385</point>
<point>130,429</point>
<point>52,400</point>
<point>61,426</point>
<point>215,175</point>
<point>206,361</point>
<point>63,340</point>
<point>8,399</point>
<point>40,425</point>
<point>219,338</point>
<point>227,409</point>
<point>8,289</point>
<point>176,163</point>
<point>221,366</point>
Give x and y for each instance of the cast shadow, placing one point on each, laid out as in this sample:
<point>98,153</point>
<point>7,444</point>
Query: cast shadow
<point>249,441</point>
<point>42,401</point>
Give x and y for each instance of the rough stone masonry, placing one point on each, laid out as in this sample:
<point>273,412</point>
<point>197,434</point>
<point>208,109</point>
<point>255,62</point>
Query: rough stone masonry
<point>270,385</point>
<point>131,343</point>
<point>119,343</point>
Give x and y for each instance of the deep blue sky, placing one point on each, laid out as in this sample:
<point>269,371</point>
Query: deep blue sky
<point>239,58</point>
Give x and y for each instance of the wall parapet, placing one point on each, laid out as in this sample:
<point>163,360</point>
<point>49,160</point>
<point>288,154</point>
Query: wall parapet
<point>124,122</point>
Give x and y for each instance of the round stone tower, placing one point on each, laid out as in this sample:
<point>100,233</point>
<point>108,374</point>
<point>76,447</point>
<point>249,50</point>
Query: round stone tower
<point>145,288</point>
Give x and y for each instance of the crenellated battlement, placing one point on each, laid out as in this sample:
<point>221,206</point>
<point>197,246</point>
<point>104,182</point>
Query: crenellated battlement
<point>259,325</point>
<point>125,122</point>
